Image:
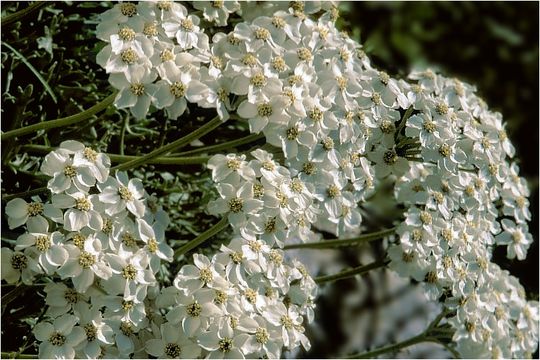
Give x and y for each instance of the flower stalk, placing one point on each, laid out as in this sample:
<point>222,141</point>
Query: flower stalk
<point>69,120</point>
<point>359,270</point>
<point>183,141</point>
<point>327,244</point>
<point>217,228</point>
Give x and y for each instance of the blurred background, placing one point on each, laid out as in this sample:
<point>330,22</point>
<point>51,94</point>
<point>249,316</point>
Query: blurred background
<point>492,45</point>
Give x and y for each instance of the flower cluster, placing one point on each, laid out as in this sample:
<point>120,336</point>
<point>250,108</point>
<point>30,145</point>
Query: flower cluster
<point>102,235</point>
<point>243,302</point>
<point>336,130</point>
<point>463,198</point>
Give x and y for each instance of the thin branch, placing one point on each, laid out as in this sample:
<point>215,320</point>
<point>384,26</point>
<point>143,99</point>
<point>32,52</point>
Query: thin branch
<point>342,242</point>
<point>220,226</point>
<point>359,270</point>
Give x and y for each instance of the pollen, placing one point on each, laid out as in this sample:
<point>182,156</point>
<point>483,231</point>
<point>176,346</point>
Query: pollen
<point>261,335</point>
<point>83,204</point>
<point>129,56</point>
<point>309,168</point>
<point>376,98</point>
<point>417,235</point>
<point>233,164</point>
<point>276,257</point>
<point>384,78</point>
<point>278,22</point>
<point>262,34</point>
<point>517,237</point>
<point>150,29</point>
<point>390,157</point>
<point>283,199</point>
<point>387,127</point>
<point>236,257</point>
<point>34,209</point>
<point>128,239</point>
<point>445,150</point>
<point>333,191</point>
<point>137,89</point>
<point>278,64</point>
<point>286,321</point>
<point>129,272</point>
<point>441,108</point>
<point>173,350</point>
<point>164,5</point>
<point>258,190</point>
<point>107,226</point>
<point>178,89</point>
<point>222,94</point>
<point>126,328</point>
<point>292,133</point>
<point>520,201</point>
<point>125,194</point>
<point>425,218</point>
<point>126,34</point>
<point>431,277</point>
<point>217,62</point>
<point>221,297</point>
<point>236,205</point>
<point>341,82</point>
<point>344,54</point>
<point>255,246</point>
<point>205,275</point>
<point>249,60</point>
<point>316,114</point>
<point>90,331</point>
<point>295,80</point>
<point>187,24</point>
<point>251,296</point>
<point>86,259</point>
<point>328,143</point>
<point>166,55</point>
<point>194,309</point>
<point>297,185</point>
<point>70,172</point>
<point>57,339</point>
<point>304,54</point>
<point>233,40</point>
<point>127,305</point>
<point>429,126</point>
<point>71,296</point>
<point>128,9</point>
<point>43,243</point>
<point>264,109</point>
<point>19,261</point>
<point>90,154</point>
<point>152,245</point>
<point>258,80</point>
<point>218,4</point>
<point>225,345</point>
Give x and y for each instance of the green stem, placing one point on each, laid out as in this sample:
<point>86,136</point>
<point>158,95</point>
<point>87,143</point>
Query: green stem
<point>123,134</point>
<point>25,194</point>
<point>343,242</point>
<point>16,16</point>
<point>391,348</point>
<point>34,71</point>
<point>221,225</point>
<point>404,119</point>
<point>140,160</point>
<point>359,270</point>
<point>121,159</point>
<point>69,120</point>
<point>224,146</point>
<point>16,355</point>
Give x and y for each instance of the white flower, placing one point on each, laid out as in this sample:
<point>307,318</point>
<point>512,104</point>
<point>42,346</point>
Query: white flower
<point>97,332</point>
<point>58,338</point>
<point>48,248</point>
<point>17,265</point>
<point>32,214</point>
<point>120,193</point>
<point>83,265</point>
<point>223,344</point>
<point>172,344</point>
<point>98,163</point>
<point>59,165</point>
<point>82,210</point>
<point>230,168</point>
<point>217,11</point>
<point>517,237</point>
<point>136,90</point>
